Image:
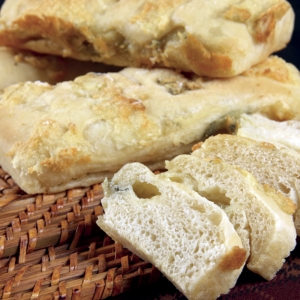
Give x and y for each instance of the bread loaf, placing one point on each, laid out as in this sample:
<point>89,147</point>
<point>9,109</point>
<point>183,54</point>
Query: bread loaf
<point>188,238</point>
<point>193,36</point>
<point>76,133</point>
<point>279,168</point>
<point>266,230</point>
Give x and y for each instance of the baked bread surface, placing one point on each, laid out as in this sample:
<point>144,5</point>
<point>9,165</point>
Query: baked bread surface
<point>78,132</point>
<point>212,38</point>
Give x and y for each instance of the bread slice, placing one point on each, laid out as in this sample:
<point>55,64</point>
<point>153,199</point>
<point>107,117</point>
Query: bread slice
<point>20,66</point>
<point>266,231</point>
<point>194,36</point>
<point>188,238</point>
<point>278,168</point>
<point>257,127</point>
<point>76,133</point>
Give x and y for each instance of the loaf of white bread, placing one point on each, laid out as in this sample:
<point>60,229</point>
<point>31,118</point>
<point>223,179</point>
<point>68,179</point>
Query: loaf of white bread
<point>76,133</point>
<point>187,237</point>
<point>278,168</point>
<point>219,38</point>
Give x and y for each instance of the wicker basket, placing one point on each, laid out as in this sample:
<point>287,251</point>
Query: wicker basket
<point>51,248</point>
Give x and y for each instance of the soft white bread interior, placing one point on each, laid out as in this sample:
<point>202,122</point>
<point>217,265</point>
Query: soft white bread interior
<point>20,66</point>
<point>266,230</point>
<point>187,237</point>
<point>190,35</point>
<point>278,168</point>
<point>260,128</point>
<point>78,132</point>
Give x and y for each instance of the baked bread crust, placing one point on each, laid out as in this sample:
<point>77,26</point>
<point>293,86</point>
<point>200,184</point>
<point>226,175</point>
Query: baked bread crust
<point>77,133</point>
<point>194,36</point>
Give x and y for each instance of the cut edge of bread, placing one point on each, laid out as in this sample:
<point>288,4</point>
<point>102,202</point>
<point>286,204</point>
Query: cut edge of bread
<point>169,227</point>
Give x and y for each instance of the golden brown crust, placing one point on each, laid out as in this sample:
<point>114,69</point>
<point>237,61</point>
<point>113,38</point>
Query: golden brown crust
<point>275,70</point>
<point>234,259</point>
<point>264,26</point>
<point>237,14</point>
<point>285,203</point>
<point>202,59</point>
<point>145,34</point>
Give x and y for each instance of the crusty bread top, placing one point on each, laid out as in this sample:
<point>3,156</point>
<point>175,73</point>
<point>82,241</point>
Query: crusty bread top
<point>212,38</point>
<point>187,237</point>
<point>78,132</point>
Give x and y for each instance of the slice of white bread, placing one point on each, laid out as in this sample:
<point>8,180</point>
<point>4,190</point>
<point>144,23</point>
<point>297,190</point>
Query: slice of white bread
<point>279,168</point>
<point>187,237</point>
<point>251,207</point>
<point>260,128</point>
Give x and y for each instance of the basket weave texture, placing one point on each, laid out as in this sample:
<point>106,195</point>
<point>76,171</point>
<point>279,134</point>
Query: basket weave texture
<point>51,247</point>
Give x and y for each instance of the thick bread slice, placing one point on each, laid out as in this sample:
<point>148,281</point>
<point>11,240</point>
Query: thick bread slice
<point>279,168</point>
<point>78,132</point>
<point>259,128</point>
<point>195,36</point>
<point>187,237</point>
<point>266,231</point>
<point>20,66</point>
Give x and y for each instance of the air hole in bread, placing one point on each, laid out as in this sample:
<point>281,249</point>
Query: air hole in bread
<point>200,208</point>
<point>196,250</point>
<point>187,178</point>
<point>145,190</point>
<point>176,179</point>
<point>285,189</point>
<point>216,195</point>
<point>171,259</point>
<point>215,218</point>
<point>153,237</point>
